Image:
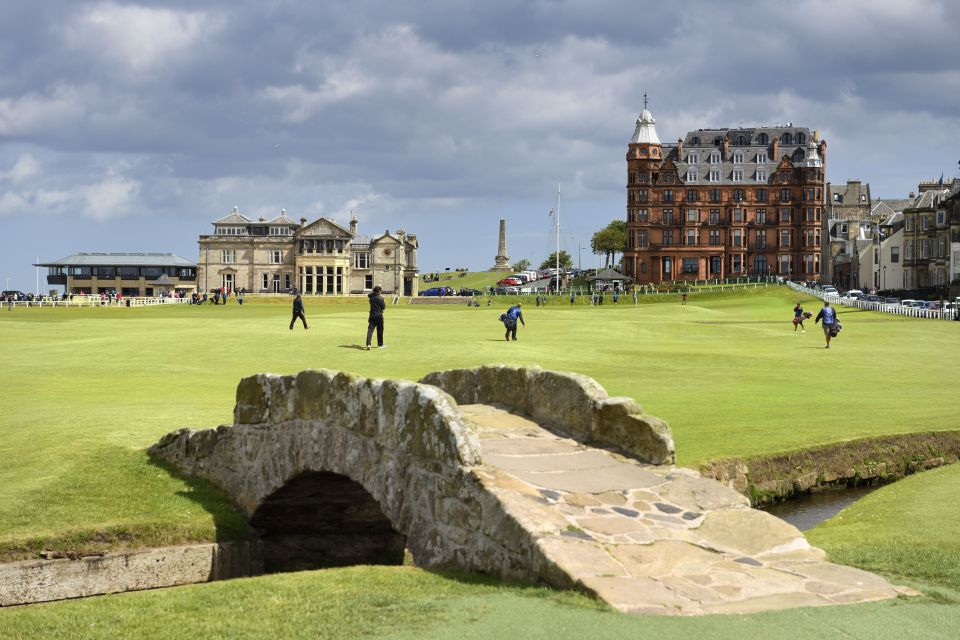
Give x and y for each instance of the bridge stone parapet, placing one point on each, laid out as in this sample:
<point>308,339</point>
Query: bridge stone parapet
<point>402,445</point>
<point>569,403</point>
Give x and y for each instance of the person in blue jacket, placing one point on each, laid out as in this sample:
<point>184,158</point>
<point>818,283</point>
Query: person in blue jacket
<point>510,319</point>
<point>830,324</point>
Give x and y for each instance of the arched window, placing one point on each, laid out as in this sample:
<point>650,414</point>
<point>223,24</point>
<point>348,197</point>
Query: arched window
<point>741,140</point>
<point>786,139</point>
<point>801,138</point>
<point>716,140</point>
<point>763,139</point>
<point>798,155</point>
<point>695,140</point>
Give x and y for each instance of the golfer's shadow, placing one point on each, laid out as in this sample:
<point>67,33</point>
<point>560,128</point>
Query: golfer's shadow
<point>359,347</point>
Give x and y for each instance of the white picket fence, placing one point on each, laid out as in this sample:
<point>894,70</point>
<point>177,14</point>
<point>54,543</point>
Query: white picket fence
<point>896,309</point>
<point>93,301</point>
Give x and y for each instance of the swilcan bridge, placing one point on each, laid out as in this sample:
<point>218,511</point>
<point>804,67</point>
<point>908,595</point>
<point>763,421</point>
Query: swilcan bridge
<point>522,473</point>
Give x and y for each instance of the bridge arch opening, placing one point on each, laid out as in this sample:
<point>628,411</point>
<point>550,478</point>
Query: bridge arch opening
<point>319,520</point>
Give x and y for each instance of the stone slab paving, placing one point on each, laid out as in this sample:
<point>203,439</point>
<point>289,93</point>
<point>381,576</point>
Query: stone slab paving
<point>655,539</point>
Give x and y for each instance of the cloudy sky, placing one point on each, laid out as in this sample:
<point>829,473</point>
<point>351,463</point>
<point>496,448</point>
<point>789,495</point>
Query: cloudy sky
<point>130,127</point>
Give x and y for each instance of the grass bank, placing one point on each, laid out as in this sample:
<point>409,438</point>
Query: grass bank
<point>408,603</point>
<point>906,531</point>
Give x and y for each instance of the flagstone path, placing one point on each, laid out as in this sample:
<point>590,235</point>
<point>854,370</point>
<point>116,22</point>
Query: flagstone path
<point>654,539</point>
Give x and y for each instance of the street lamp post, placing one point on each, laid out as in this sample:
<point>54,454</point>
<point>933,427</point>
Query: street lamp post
<point>884,282</point>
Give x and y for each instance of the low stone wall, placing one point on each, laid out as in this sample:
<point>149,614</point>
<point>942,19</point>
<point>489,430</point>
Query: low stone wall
<point>569,403</point>
<point>46,580</point>
<point>766,479</point>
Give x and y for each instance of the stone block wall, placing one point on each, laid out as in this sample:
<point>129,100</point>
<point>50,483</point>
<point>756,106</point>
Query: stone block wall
<point>569,403</point>
<point>404,443</point>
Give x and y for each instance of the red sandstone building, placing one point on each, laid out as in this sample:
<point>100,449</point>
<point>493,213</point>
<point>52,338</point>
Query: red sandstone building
<point>724,203</point>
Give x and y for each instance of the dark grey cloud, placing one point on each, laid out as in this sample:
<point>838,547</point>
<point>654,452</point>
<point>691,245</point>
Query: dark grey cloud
<point>130,126</point>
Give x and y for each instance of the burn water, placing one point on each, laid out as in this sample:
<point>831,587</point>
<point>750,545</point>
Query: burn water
<point>807,511</point>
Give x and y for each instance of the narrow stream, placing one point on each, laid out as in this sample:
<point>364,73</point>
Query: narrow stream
<point>811,509</point>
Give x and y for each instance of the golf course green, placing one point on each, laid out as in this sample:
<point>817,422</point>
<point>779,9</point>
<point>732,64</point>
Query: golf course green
<point>86,390</point>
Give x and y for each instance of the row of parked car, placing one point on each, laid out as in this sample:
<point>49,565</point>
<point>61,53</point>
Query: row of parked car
<point>856,294</point>
<point>450,291</point>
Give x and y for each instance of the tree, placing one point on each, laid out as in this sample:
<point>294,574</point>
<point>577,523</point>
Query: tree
<point>521,265</point>
<point>610,241</point>
<point>566,262</point>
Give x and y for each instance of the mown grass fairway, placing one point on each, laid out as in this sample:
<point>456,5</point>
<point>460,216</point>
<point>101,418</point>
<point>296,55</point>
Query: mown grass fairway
<point>86,390</point>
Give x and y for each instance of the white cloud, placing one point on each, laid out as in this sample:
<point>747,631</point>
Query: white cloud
<point>26,168</point>
<point>61,105</point>
<point>139,38</point>
<point>112,195</point>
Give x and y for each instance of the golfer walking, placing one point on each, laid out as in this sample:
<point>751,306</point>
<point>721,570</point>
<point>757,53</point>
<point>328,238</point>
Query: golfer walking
<point>297,313</point>
<point>829,316</point>
<point>798,318</point>
<point>510,319</point>
<point>375,319</point>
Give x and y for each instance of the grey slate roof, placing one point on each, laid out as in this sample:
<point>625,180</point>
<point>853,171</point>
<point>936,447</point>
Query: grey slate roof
<point>929,199</point>
<point>608,274</point>
<point>120,260</point>
<point>284,220</point>
<point>711,140</point>
<point>235,217</point>
<point>894,204</point>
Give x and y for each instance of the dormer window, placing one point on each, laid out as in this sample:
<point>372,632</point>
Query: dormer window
<point>692,175</point>
<point>738,157</point>
<point>695,140</point>
<point>763,139</point>
<point>798,155</point>
<point>279,231</point>
<point>741,140</point>
<point>692,158</point>
<point>761,175</point>
<point>786,139</point>
<point>231,231</point>
<point>715,157</point>
<point>714,175</point>
<point>801,138</point>
<point>737,175</point>
<point>761,157</point>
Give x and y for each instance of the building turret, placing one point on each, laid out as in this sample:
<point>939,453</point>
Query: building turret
<point>645,142</point>
<point>353,223</point>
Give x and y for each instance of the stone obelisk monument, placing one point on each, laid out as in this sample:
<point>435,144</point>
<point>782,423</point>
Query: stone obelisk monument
<point>502,261</point>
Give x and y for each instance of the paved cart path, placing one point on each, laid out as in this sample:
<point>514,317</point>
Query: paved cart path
<point>655,539</point>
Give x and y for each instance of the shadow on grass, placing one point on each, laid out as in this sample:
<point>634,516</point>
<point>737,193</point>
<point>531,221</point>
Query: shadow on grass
<point>573,597</point>
<point>358,347</point>
<point>228,521</point>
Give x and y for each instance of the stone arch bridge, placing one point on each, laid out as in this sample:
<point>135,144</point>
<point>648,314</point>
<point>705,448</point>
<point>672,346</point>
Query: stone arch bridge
<point>523,473</point>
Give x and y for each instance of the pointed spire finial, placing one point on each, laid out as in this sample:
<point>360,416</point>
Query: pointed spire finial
<point>644,99</point>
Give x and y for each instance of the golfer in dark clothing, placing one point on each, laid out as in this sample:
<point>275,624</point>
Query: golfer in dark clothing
<point>375,320</point>
<point>510,319</point>
<point>298,313</point>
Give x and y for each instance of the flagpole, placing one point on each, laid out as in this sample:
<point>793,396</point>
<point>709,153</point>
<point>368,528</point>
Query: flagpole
<point>558,238</point>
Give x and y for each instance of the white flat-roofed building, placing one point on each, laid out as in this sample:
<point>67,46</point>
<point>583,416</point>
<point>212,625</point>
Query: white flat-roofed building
<point>129,274</point>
